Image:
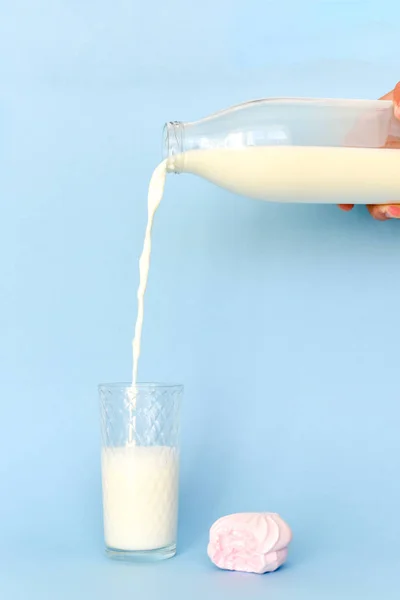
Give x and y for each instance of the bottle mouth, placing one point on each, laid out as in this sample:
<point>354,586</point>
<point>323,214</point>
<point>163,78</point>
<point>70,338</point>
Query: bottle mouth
<point>172,143</point>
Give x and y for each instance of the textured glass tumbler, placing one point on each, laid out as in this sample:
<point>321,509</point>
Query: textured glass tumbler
<point>140,468</point>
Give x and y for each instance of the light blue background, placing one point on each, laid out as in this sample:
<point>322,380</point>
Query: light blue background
<point>281,321</point>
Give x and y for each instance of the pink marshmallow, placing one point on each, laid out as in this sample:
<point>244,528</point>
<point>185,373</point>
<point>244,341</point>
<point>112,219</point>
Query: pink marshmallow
<point>250,542</point>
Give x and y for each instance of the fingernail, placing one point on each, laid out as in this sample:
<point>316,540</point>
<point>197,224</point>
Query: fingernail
<point>393,212</point>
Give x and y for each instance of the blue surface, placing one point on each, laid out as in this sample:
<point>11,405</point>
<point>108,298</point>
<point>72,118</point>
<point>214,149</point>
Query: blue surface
<point>296,409</point>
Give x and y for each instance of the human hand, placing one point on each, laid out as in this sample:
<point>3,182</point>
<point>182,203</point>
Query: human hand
<point>384,212</point>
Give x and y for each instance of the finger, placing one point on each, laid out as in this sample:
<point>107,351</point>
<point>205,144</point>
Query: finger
<point>346,207</point>
<point>384,212</point>
<point>378,212</point>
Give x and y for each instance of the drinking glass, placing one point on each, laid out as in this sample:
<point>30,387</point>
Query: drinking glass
<point>140,468</point>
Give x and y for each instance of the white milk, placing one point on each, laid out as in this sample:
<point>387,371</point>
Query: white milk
<point>299,173</point>
<point>154,197</point>
<point>140,497</point>
<point>140,483</point>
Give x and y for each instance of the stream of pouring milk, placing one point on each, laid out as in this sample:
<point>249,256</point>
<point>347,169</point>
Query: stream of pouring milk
<point>154,197</point>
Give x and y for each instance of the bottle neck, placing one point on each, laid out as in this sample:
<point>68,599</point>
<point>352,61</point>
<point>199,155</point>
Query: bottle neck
<point>173,145</point>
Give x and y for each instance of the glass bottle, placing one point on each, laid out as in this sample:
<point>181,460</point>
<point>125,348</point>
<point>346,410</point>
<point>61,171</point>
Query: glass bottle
<point>293,150</point>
